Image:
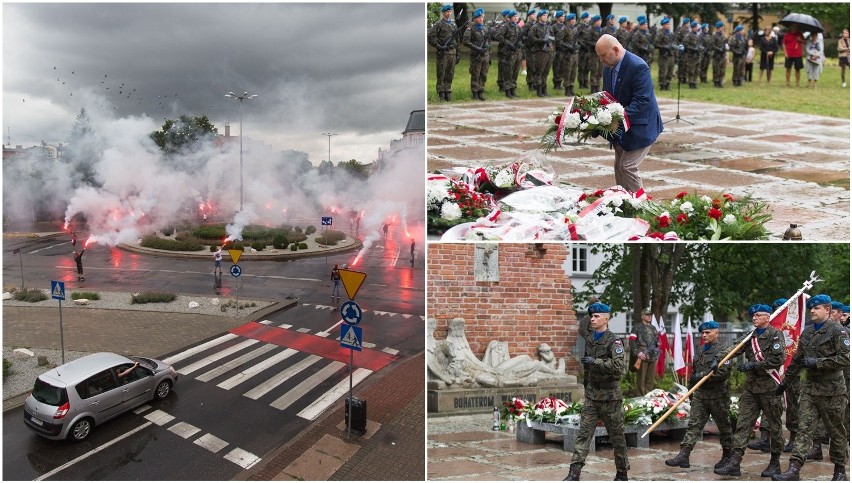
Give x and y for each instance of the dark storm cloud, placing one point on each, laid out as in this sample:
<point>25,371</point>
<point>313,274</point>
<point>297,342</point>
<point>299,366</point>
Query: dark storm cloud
<point>354,69</point>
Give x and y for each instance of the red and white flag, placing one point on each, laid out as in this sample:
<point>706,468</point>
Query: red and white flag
<point>665,349</point>
<point>791,321</point>
<point>689,349</point>
<point>679,364</point>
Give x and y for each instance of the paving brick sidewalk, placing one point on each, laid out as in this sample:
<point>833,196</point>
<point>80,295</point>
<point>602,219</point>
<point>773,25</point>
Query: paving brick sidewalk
<point>797,163</point>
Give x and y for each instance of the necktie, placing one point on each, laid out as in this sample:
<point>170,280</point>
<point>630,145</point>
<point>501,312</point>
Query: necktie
<point>614,78</point>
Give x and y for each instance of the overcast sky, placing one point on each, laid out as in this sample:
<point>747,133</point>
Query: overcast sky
<point>353,69</point>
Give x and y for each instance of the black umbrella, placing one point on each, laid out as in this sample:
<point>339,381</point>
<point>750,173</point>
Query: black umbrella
<point>805,23</point>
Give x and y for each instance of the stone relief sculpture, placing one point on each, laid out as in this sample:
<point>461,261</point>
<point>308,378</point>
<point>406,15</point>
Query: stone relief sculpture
<point>452,363</point>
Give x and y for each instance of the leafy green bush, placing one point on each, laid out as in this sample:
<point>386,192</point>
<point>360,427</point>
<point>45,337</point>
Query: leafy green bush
<point>331,237</point>
<point>171,245</point>
<point>212,248</point>
<point>152,297</point>
<point>235,245</point>
<point>31,295</point>
<point>167,231</point>
<point>296,237</point>
<point>7,366</point>
<point>210,232</point>
<point>294,247</point>
<point>303,246</point>
<point>279,242</point>
<point>85,295</point>
<point>298,229</point>
<point>259,246</point>
<point>311,229</point>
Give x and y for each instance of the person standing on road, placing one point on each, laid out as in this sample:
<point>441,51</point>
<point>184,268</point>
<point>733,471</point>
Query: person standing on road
<point>628,78</point>
<point>217,260</point>
<point>73,239</point>
<point>78,259</point>
<point>644,349</point>
<point>412,250</point>
<point>335,281</point>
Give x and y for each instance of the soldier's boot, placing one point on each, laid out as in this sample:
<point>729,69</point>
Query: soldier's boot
<point>816,451</point>
<point>792,473</point>
<point>449,96</point>
<point>682,458</point>
<point>544,90</point>
<point>763,443</point>
<point>481,95</point>
<point>574,472</point>
<point>509,93</point>
<point>774,466</point>
<point>703,80</point>
<point>514,94</point>
<point>826,439</point>
<point>557,86</point>
<point>620,476</point>
<point>726,455</point>
<point>791,443</point>
<point>692,85</point>
<point>839,473</point>
<point>732,467</point>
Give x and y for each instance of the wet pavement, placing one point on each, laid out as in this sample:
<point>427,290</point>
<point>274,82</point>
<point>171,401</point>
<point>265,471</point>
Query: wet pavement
<point>797,163</point>
<point>465,448</point>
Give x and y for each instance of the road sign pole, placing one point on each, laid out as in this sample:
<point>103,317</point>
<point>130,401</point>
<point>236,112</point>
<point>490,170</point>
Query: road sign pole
<point>351,411</point>
<point>61,333</point>
<point>21,256</point>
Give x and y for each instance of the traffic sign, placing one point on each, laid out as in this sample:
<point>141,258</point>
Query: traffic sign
<point>57,290</point>
<point>351,312</point>
<point>350,336</point>
<point>235,254</point>
<point>352,281</point>
<point>236,270</point>
<point>326,221</point>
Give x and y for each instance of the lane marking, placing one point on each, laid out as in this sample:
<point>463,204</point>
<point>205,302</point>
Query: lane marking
<point>184,430</point>
<point>47,248</point>
<point>191,272</point>
<point>257,369</point>
<point>242,458</point>
<point>303,330</point>
<point>90,453</point>
<point>159,417</point>
<point>299,391</point>
<point>278,379</point>
<point>211,443</point>
<point>230,366</point>
<point>215,357</point>
<point>331,396</point>
<point>199,348</point>
<point>390,351</point>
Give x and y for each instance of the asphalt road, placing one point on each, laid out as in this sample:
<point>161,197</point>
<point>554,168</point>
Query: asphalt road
<point>232,403</point>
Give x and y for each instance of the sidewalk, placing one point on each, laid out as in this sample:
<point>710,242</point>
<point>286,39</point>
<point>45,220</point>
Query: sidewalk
<point>797,163</point>
<point>465,448</point>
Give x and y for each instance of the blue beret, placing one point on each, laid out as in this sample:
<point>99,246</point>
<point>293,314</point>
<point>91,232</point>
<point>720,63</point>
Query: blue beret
<point>643,22</point>
<point>641,17</point>
<point>505,12</point>
<point>720,24</point>
<point>622,19</point>
<point>693,24</point>
<point>512,13</point>
<point>845,309</point>
<point>819,300</point>
<point>665,21</point>
<point>446,7</point>
<point>758,308</point>
<point>738,28</point>
<point>610,17</point>
<point>478,12</point>
<point>542,12</point>
<point>560,13</point>
<point>704,26</point>
<point>531,11</point>
<point>710,324</point>
<point>571,16</point>
<point>595,18</point>
<point>585,15</point>
<point>598,308</point>
<point>684,21</point>
<point>778,303</point>
<point>835,305</point>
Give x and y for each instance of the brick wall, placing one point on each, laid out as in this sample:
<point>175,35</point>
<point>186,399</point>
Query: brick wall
<point>530,304</point>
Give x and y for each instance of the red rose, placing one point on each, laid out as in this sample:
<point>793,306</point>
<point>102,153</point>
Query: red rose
<point>663,221</point>
<point>714,213</point>
<point>681,195</point>
<point>682,218</point>
<point>657,235</point>
<point>598,193</point>
<point>558,118</point>
<point>746,218</point>
<point>728,197</point>
<point>583,197</point>
<point>717,203</point>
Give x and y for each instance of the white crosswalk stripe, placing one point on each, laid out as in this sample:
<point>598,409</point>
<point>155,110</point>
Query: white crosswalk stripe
<point>278,379</point>
<point>300,390</point>
<point>209,375</point>
<point>256,369</point>
<point>317,407</point>
<point>215,357</point>
<point>199,348</point>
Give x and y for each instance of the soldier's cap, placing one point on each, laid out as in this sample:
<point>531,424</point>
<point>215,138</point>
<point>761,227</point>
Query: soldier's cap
<point>560,13</point>
<point>505,13</point>
<point>571,16</point>
<point>643,22</point>
<point>622,19</point>
<point>710,324</point>
<point>610,17</point>
<point>512,13</point>
<point>640,18</point>
<point>693,24</point>
<point>647,312</point>
<point>704,26</point>
<point>821,299</point>
<point>585,15</point>
<point>598,308</point>
<point>720,24</point>
<point>531,11</point>
<point>478,12</point>
<point>845,309</point>
<point>738,28</point>
<point>665,21</point>
<point>542,12</point>
<point>758,308</point>
<point>684,21</point>
<point>595,18</point>
<point>446,7</point>
<point>835,305</point>
<point>778,303</point>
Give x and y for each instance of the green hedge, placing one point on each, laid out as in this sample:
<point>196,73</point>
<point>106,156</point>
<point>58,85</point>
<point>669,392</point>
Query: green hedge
<point>294,247</point>
<point>152,297</point>
<point>210,232</point>
<point>172,245</point>
<point>279,242</point>
<point>167,231</point>
<point>31,295</point>
<point>85,295</point>
<point>259,246</point>
<point>311,229</point>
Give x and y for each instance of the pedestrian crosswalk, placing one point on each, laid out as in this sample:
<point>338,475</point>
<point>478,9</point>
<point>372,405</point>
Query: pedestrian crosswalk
<point>367,311</point>
<point>287,368</point>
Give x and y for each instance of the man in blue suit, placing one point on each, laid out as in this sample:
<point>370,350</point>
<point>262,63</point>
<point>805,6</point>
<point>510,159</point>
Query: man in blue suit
<point>627,77</point>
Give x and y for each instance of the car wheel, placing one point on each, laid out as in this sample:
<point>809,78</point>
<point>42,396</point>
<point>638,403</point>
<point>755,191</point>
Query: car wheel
<point>81,429</point>
<point>164,388</point>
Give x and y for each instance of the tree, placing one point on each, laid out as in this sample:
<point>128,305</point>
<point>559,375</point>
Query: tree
<point>184,135</point>
<point>354,168</point>
<point>83,152</point>
<point>833,16</point>
<point>708,12</point>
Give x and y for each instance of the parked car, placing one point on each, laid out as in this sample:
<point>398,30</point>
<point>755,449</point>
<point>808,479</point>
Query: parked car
<point>70,400</point>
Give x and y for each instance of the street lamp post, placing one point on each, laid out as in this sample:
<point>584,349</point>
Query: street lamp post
<point>244,97</point>
<point>329,134</point>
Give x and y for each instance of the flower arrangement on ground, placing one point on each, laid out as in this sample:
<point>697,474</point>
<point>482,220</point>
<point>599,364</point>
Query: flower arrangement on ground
<point>450,202</point>
<point>597,114</point>
<point>515,409</point>
<point>721,217</point>
<point>639,411</point>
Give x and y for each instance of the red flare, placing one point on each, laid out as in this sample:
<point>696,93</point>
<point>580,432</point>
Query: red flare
<point>91,239</point>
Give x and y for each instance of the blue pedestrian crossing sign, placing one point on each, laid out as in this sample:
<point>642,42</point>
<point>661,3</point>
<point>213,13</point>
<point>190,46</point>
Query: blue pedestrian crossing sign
<point>57,290</point>
<point>236,270</point>
<point>326,221</point>
<point>350,312</point>
<point>350,336</point>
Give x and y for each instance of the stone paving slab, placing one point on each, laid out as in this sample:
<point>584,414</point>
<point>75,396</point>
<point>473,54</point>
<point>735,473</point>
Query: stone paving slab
<point>799,167</point>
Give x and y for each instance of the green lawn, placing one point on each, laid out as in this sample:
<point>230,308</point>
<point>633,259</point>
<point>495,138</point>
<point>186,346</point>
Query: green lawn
<point>829,99</point>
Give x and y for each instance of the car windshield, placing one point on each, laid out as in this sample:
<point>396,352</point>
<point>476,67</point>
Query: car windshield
<point>47,394</point>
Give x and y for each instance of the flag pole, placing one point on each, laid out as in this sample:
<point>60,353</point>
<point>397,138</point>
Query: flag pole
<point>805,286</point>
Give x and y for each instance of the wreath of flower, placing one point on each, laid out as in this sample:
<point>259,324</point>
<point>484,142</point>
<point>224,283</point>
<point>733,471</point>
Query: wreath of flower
<point>597,114</point>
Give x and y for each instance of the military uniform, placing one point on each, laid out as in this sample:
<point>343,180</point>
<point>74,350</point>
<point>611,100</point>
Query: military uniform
<point>664,41</point>
<point>478,39</point>
<point>739,47</point>
<point>583,56</point>
<point>541,45</point>
<point>588,39</point>
<point>720,57</point>
<point>442,37</point>
<point>705,41</point>
<point>680,34</point>
<point>645,342</point>
<point>558,31</point>
<point>691,54</point>
<point>643,45</point>
<point>527,51</point>
<point>571,46</point>
<point>510,56</point>
<point>622,35</point>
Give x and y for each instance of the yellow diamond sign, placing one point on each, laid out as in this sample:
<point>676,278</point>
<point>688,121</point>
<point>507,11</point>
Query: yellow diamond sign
<point>235,255</point>
<point>352,281</point>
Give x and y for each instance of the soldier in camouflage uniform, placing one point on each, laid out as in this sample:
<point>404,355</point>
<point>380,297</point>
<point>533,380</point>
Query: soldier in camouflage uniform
<point>765,354</point>
<point>541,49</point>
<point>526,56</point>
<point>508,35</point>
<point>442,37</point>
<point>604,360</point>
<point>823,351</point>
<point>711,399</point>
<point>739,47</point>
<point>680,34</point>
<point>583,53</point>
<point>571,45</point>
<point>558,31</point>
<point>587,42</point>
<point>720,54</point>
<point>690,49</point>
<point>644,349</point>
<point>622,34</point>
<point>704,45</point>
<point>642,43</point>
<point>494,29</point>
<point>478,40</point>
<point>611,27</point>
<point>664,41</point>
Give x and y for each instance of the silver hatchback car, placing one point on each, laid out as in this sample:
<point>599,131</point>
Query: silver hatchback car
<point>68,401</point>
